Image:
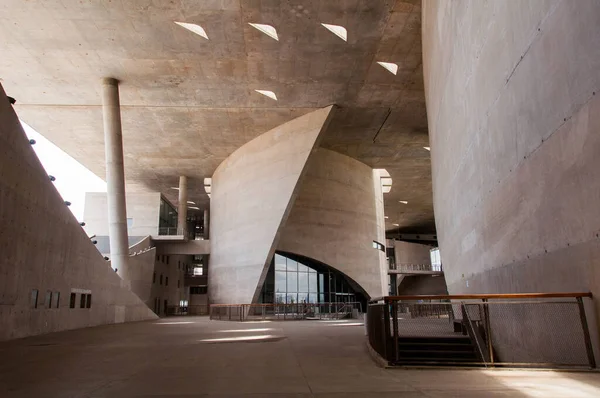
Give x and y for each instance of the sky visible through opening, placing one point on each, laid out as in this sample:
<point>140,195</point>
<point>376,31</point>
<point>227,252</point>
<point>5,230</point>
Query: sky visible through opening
<point>73,180</point>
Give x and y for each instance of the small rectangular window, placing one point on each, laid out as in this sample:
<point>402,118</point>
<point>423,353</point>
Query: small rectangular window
<point>34,298</point>
<point>56,299</point>
<point>161,277</point>
<point>129,222</point>
<point>82,301</point>
<point>72,300</point>
<point>379,246</point>
<point>154,278</point>
<point>167,281</point>
<point>167,260</point>
<point>48,301</point>
<point>88,303</point>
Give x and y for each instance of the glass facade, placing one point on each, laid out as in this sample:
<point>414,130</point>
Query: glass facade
<point>290,281</point>
<point>167,222</point>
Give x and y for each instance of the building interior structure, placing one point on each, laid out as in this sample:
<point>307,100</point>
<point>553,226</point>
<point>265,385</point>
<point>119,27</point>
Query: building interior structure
<point>356,164</point>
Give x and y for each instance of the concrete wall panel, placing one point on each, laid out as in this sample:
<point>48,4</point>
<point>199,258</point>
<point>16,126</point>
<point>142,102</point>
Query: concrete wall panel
<point>252,193</point>
<point>513,104</point>
<point>336,217</point>
<point>44,248</point>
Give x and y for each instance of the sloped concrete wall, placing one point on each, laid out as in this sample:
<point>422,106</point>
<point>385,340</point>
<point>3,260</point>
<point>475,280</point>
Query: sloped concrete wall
<point>336,218</point>
<point>513,98</point>
<point>252,193</point>
<point>43,247</point>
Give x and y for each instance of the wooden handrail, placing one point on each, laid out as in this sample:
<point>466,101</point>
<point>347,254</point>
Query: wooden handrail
<point>483,296</point>
<point>279,304</point>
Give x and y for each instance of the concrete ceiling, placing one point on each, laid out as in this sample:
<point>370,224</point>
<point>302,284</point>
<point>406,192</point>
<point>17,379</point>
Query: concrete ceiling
<point>188,102</point>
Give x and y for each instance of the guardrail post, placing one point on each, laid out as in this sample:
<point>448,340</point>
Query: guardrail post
<point>386,330</point>
<point>395,327</point>
<point>586,333</point>
<point>488,329</point>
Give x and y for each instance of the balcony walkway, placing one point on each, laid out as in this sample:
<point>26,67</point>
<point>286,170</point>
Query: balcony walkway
<point>192,356</point>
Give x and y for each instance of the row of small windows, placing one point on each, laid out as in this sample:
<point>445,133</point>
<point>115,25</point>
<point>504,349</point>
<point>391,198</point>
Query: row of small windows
<point>53,299</point>
<point>165,259</point>
<point>198,289</point>
<point>160,280</point>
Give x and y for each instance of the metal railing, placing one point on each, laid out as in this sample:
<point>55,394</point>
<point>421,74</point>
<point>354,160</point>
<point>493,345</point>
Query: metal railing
<point>515,330</point>
<point>187,310</point>
<point>167,231</point>
<point>418,267</point>
<point>296,311</point>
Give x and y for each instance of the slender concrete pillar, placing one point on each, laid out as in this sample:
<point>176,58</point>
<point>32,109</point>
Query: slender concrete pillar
<point>182,208</point>
<point>115,175</point>
<point>206,223</point>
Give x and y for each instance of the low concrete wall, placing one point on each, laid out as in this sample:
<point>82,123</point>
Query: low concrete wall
<point>43,248</point>
<point>411,253</point>
<point>252,193</point>
<point>335,220</point>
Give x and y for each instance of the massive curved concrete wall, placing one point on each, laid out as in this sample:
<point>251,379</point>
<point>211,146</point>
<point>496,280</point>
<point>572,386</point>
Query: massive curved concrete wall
<point>336,217</point>
<point>513,98</point>
<point>252,193</point>
<point>43,248</point>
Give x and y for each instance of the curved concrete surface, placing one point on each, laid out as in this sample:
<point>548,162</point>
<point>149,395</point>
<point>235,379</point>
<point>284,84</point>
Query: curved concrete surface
<point>252,193</point>
<point>513,99</point>
<point>335,219</point>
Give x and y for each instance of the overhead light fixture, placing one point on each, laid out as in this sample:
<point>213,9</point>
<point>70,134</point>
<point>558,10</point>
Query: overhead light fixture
<point>175,188</point>
<point>207,188</point>
<point>390,67</point>
<point>267,93</point>
<point>403,201</point>
<point>397,225</point>
<point>386,188</point>
<point>337,30</point>
<point>192,27</point>
<point>266,29</point>
<point>386,217</point>
<point>190,202</point>
<point>428,148</point>
<point>193,207</point>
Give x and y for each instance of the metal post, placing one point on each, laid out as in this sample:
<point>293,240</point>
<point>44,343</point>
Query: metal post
<point>386,330</point>
<point>586,333</point>
<point>395,327</point>
<point>488,329</point>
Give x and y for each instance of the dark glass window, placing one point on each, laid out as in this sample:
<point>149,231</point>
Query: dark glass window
<point>161,278</point>
<point>88,303</point>
<point>48,301</point>
<point>72,300</point>
<point>56,299</point>
<point>154,278</point>
<point>82,301</point>
<point>198,289</point>
<point>167,281</point>
<point>34,298</point>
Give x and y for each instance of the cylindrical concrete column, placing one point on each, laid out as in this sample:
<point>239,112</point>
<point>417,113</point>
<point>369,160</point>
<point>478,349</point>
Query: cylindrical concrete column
<point>182,208</point>
<point>115,175</point>
<point>206,223</point>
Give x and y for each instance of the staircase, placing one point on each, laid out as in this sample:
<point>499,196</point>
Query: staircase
<point>436,351</point>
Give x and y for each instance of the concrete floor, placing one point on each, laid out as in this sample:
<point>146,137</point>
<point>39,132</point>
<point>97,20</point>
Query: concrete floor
<point>177,357</point>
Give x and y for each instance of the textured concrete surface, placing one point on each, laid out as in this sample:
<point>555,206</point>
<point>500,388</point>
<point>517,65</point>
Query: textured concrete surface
<point>422,284</point>
<point>305,359</point>
<point>44,248</point>
<point>187,103</point>
<point>514,111</point>
<point>411,253</point>
<point>143,210</point>
<point>253,192</point>
<point>334,219</point>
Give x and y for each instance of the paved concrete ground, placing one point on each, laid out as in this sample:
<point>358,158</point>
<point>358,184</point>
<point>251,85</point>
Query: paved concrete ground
<point>178,357</point>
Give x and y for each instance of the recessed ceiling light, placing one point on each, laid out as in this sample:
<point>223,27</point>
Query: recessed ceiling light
<point>337,30</point>
<point>193,207</point>
<point>391,67</point>
<point>190,202</point>
<point>175,188</point>
<point>397,225</point>
<point>266,29</point>
<point>268,93</point>
<point>192,27</point>
<point>403,201</point>
<point>428,148</point>
<point>385,217</point>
